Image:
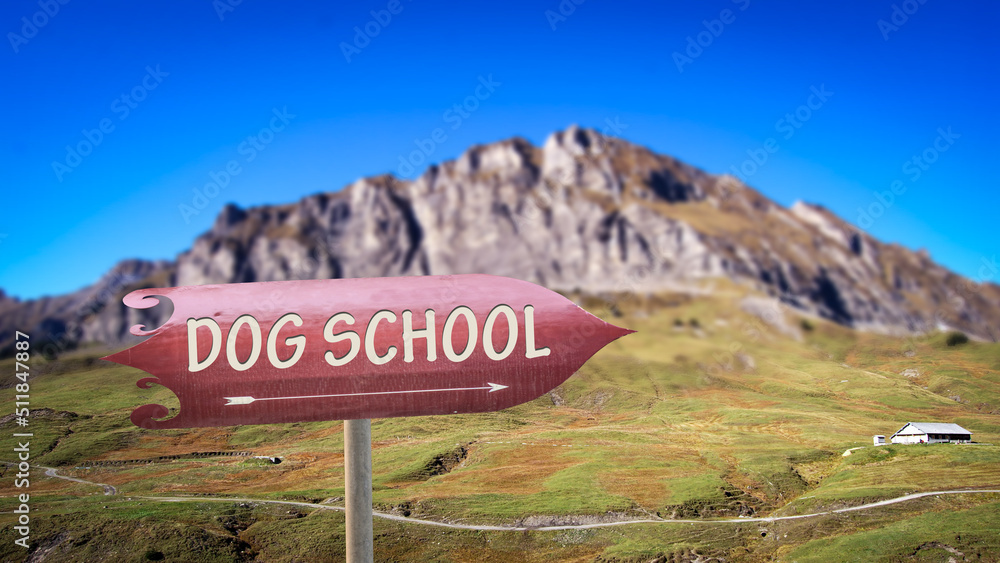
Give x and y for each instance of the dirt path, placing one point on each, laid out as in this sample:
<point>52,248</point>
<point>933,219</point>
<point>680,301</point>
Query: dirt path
<point>51,472</point>
<point>577,526</point>
<point>110,490</point>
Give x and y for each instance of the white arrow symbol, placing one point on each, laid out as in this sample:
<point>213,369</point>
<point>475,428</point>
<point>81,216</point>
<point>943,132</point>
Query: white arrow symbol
<point>247,400</point>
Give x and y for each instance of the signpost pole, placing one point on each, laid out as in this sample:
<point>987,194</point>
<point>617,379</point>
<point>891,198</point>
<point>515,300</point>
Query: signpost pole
<point>358,490</point>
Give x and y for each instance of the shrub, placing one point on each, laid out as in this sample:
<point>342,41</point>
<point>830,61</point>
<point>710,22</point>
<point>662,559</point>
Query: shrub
<point>806,325</point>
<point>956,338</point>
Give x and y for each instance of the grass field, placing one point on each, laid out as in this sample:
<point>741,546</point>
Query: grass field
<point>706,413</point>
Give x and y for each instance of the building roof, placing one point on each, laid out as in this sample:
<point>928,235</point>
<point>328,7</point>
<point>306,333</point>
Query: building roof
<point>933,428</point>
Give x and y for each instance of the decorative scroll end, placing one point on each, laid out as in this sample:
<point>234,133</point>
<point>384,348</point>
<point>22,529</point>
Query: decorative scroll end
<point>140,330</point>
<point>147,382</point>
<point>151,416</point>
<point>142,298</point>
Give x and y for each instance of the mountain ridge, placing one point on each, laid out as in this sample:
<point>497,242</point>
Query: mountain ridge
<point>583,212</point>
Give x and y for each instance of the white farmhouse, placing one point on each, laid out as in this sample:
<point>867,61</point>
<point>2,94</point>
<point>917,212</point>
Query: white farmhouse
<point>931,433</point>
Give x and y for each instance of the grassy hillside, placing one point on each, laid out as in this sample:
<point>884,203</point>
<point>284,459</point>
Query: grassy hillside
<point>709,412</point>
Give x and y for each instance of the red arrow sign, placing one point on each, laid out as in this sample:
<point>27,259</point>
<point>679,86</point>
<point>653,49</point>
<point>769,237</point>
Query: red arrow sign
<point>259,353</point>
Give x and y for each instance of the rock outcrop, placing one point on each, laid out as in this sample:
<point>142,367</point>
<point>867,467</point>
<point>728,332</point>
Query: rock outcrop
<point>584,212</point>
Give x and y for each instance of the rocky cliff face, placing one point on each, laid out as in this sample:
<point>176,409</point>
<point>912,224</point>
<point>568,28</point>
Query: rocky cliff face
<point>92,314</point>
<point>583,212</point>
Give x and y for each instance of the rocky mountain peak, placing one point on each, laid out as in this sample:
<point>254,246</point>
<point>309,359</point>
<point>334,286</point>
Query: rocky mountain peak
<point>583,212</point>
<point>511,155</point>
<point>230,215</point>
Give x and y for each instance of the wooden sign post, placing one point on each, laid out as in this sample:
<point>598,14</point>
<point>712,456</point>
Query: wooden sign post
<point>357,349</point>
<point>358,490</point>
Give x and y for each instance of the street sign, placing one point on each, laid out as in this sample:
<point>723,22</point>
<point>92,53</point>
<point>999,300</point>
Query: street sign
<point>272,352</point>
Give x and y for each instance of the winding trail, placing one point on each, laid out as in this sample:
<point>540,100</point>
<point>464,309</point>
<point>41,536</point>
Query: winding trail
<point>110,490</point>
<point>51,472</point>
<point>406,519</point>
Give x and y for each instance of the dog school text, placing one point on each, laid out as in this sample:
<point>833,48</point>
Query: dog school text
<point>336,330</point>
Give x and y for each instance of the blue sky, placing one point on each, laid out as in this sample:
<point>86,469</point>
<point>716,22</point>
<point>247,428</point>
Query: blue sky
<point>183,89</point>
